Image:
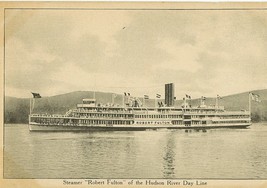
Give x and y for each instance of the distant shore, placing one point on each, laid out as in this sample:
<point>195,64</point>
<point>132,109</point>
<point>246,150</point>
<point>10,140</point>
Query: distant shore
<point>16,110</point>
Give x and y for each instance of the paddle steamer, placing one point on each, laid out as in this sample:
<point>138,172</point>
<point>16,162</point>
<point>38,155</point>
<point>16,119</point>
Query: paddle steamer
<point>134,115</point>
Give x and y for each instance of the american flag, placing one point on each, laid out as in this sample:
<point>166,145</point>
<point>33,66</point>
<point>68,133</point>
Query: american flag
<point>36,95</point>
<point>255,97</point>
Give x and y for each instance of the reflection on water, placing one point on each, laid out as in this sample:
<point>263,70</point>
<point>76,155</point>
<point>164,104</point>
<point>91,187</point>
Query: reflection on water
<point>215,153</point>
<point>169,157</point>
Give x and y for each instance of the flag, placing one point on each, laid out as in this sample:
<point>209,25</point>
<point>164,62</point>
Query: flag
<point>158,95</point>
<point>160,104</point>
<point>188,96</point>
<point>255,97</point>
<point>125,94</point>
<point>146,97</point>
<point>36,95</point>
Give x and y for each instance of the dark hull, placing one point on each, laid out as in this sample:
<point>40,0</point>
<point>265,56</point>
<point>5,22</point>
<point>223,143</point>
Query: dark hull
<point>61,128</point>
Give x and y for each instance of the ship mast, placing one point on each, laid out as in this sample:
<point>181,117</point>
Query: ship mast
<point>123,100</point>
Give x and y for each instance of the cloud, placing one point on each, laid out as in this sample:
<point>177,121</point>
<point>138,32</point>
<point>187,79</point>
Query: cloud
<point>202,52</point>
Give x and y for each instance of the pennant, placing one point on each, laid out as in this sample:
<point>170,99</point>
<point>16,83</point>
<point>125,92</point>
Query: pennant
<point>158,95</point>
<point>146,97</point>
<point>188,96</point>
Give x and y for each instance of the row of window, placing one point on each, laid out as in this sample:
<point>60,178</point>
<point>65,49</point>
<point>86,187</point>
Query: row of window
<point>97,122</point>
<point>196,123</point>
<point>158,116</point>
<point>177,122</point>
<point>49,120</point>
<point>234,117</point>
<point>219,122</point>
<point>105,122</point>
<point>222,117</point>
<point>105,115</point>
<point>187,117</point>
<point>102,111</point>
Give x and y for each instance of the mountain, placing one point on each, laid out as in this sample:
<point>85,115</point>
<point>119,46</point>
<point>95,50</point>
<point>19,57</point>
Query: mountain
<point>18,109</point>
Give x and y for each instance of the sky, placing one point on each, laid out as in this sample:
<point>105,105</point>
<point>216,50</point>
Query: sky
<point>204,53</point>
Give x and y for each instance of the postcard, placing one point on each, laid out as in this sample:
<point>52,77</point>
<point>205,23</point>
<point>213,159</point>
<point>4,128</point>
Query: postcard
<point>116,94</point>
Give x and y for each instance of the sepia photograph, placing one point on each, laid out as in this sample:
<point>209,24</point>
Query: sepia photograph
<point>113,94</point>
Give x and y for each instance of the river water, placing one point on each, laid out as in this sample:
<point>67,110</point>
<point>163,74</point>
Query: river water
<point>214,154</point>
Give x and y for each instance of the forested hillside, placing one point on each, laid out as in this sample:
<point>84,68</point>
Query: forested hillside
<point>18,109</point>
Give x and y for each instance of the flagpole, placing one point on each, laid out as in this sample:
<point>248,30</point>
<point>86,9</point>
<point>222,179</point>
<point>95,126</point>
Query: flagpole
<point>30,106</point>
<point>249,102</point>
<point>185,103</point>
<point>33,101</point>
<point>30,110</point>
<point>144,102</point>
<point>94,89</point>
<point>190,102</point>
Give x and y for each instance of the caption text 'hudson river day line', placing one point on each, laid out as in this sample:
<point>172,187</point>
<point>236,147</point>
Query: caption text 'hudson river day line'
<point>135,182</point>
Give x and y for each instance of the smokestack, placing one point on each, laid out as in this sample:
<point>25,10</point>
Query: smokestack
<point>169,94</point>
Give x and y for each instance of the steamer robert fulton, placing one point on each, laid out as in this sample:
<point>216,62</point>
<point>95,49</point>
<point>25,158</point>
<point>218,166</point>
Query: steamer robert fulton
<point>134,115</point>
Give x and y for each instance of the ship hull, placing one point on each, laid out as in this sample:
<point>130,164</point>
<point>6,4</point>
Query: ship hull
<point>69,128</point>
